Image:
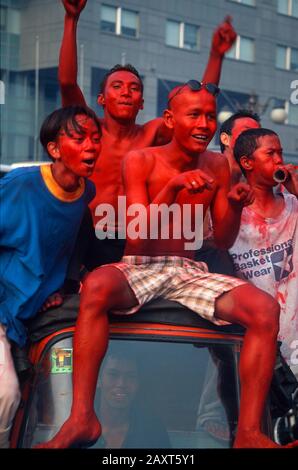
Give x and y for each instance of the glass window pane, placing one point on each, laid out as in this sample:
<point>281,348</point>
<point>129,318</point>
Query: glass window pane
<point>231,54</point>
<point>163,397</point>
<point>293,114</point>
<point>108,19</point>
<point>245,2</point>
<point>191,37</point>
<point>13,22</point>
<point>295,8</point>
<point>247,49</point>
<point>294,59</point>
<point>3,18</point>
<point>282,6</point>
<point>129,23</point>
<point>172,33</point>
<point>281,57</point>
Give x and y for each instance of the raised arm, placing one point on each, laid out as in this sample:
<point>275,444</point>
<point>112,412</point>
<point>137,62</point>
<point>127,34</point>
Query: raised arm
<point>68,68</point>
<point>223,39</point>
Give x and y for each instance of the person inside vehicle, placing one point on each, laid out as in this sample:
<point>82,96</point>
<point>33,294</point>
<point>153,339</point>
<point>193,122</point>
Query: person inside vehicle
<point>181,172</point>
<point>40,220</point>
<point>125,421</point>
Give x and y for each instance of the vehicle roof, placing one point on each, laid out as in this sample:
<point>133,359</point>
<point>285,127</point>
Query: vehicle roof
<point>158,311</point>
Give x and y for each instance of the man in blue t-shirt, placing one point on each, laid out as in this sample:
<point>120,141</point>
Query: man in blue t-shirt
<point>40,214</point>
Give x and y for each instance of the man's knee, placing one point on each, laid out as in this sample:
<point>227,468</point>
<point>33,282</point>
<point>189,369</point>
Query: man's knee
<point>100,289</point>
<point>266,312</point>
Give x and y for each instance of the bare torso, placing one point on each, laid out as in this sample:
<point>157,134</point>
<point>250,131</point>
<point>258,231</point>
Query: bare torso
<point>158,173</point>
<point>107,175</point>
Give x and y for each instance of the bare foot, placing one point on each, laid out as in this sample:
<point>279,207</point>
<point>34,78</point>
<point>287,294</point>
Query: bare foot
<point>291,445</point>
<point>74,433</point>
<point>54,300</point>
<point>253,440</point>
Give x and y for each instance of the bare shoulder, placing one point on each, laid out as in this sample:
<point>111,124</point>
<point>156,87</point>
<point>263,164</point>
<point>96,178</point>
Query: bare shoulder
<point>215,161</point>
<point>140,161</point>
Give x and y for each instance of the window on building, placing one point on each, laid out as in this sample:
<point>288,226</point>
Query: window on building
<point>108,18</point>
<point>288,7</point>
<point>294,59</point>
<point>3,18</point>
<point>251,3</point>
<point>243,49</point>
<point>129,23</point>
<point>118,20</point>
<point>286,58</point>
<point>183,35</point>
<point>281,57</point>
<point>292,110</point>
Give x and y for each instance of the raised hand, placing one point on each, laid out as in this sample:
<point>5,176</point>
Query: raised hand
<point>291,183</point>
<point>223,37</point>
<point>74,7</point>
<point>241,195</point>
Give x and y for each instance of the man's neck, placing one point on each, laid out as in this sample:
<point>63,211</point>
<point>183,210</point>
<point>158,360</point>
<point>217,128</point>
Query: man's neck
<point>267,203</point>
<point>179,159</point>
<point>120,129</point>
<point>111,417</point>
<point>66,180</point>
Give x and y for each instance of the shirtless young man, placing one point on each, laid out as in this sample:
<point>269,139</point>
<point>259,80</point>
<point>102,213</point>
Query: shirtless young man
<point>121,97</point>
<point>181,172</point>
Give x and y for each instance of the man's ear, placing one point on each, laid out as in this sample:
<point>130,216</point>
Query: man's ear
<point>101,100</point>
<point>225,139</point>
<point>53,150</point>
<point>142,104</point>
<point>168,118</point>
<point>246,163</point>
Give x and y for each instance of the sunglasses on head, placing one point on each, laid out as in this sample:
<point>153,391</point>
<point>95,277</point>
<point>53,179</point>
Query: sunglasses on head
<point>194,85</point>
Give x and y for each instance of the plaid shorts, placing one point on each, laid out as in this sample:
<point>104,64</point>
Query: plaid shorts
<point>175,278</point>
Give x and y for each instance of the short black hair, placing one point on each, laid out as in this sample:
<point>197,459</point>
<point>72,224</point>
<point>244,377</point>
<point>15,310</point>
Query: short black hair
<point>61,119</point>
<point>119,68</point>
<point>228,124</point>
<point>248,142</point>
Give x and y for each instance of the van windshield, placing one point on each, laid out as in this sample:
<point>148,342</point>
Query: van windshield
<point>150,394</point>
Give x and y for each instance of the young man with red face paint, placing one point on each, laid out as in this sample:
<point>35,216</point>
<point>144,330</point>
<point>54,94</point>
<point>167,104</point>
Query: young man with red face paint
<point>181,172</point>
<point>40,217</point>
<point>121,96</point>
<point>265,251</point>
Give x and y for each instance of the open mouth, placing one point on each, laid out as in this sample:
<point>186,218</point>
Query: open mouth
<point>200,137</point>
<point>89,161</point>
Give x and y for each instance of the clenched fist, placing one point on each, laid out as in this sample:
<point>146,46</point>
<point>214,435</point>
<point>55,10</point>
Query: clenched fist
<point>241,195</point>
<point>74,7</point>
<point>224,37</point>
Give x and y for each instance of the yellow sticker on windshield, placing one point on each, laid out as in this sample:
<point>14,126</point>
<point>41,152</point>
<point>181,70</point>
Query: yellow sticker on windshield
<point>61,361</point>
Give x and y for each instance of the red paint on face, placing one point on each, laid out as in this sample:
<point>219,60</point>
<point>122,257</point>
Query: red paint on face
<point>240,125</point>
<point>266,159</point>
<point>79,151</point>
<point>194,117</point>
<point>122,97</point>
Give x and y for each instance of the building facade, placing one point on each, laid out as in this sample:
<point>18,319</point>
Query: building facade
<point>168,41</point>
